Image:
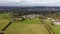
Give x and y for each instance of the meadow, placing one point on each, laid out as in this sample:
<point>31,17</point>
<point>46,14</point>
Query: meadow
<point>55,28</point>
<point>28,26</point>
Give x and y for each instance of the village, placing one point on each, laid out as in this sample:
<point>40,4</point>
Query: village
<point>30,22</point>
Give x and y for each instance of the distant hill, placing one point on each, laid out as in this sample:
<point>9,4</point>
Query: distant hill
<point>35,8</point>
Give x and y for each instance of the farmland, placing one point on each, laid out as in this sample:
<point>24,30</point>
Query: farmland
<point>28,26</point>
<point>56,29</point>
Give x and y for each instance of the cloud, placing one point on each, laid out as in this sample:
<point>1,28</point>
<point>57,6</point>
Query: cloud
<point>41,2</point>
<point>29,2</point>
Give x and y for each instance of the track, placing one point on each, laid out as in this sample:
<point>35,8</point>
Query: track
<point>48,28</point>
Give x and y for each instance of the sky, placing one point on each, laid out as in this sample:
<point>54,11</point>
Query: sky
<point>29,2</point>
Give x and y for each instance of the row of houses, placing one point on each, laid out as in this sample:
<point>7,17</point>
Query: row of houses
<point>54,21</point>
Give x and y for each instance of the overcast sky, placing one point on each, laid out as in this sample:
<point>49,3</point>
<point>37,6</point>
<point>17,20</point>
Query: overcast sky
<point>29,2</point>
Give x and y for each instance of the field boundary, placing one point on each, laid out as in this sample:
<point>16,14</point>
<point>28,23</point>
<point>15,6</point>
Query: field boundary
<point>6,26</point>
<point>48,28</point>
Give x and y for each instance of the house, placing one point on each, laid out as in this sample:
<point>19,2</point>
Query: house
<point>56,23</point>
<point>29,16</point>
<point>51,19</point>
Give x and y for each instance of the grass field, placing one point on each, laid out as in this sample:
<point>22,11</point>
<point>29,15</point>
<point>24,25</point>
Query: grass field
<point>17,28</point>
<point>24,28</point>
<point>3,23</point>
<point>30,21</point>
<point>4,20</point>
<point>28,26</point>
<point>56,29</point>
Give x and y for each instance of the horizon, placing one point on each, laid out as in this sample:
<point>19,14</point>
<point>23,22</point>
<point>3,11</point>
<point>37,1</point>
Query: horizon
<point>29,3</point>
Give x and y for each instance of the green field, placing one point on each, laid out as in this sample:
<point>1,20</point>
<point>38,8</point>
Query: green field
<point>4,20</point>
<point>17,28</point>
<point>28,26</point>
<point>56,29</point>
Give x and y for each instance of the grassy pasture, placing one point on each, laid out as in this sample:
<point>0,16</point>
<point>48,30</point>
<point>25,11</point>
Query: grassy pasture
<point>29,21</point>
<point>56,29</point>
<point>3,23</point>
<point>28,26</point>
<point>4,20</point>
<point>17,28</point>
